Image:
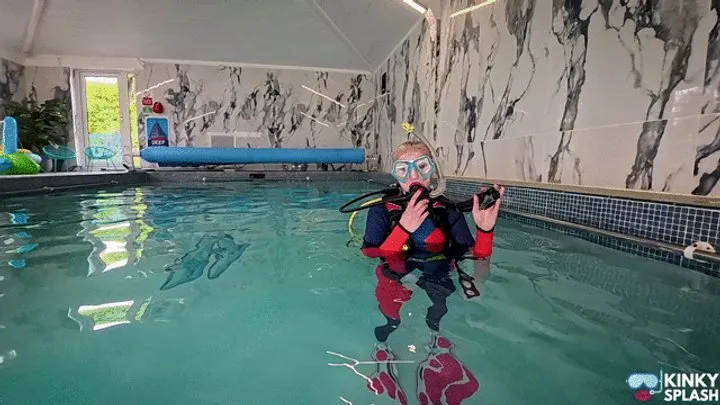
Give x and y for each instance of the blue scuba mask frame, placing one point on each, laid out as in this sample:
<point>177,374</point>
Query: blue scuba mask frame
<point>413,165</point>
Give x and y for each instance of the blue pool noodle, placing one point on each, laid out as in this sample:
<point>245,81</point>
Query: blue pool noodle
<point>10,136</point>
<point>191,156</point>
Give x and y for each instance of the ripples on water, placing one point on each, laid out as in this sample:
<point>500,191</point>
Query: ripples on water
<point>83,319</point>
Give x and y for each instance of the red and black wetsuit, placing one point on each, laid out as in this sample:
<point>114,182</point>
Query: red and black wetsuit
<point>433,248</point>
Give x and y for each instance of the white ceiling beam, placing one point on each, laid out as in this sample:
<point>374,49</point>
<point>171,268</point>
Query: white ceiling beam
<point>12,56</point>
<point>133,64</point>
<point>319,10</point>
<point>32,26</point>
<point>255,66</point>
<point>86,62</point>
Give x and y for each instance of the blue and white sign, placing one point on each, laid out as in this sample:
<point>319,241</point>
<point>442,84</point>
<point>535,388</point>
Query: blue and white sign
<point>158,131</point>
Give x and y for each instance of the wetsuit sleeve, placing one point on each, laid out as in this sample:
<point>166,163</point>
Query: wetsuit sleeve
<point>379,239</point>
<point>480,247</point>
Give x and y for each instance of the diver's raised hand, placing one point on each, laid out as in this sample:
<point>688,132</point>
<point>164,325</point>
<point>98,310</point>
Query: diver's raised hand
<point>485,219</point>
<point>415,213</point>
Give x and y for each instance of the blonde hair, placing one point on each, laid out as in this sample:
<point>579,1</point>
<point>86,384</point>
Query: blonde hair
<point>408,146</point>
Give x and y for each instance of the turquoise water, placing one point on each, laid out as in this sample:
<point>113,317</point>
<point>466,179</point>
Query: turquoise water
<point>83,318</point>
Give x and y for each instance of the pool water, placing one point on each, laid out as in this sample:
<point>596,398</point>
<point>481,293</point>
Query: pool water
<point>240,293</point>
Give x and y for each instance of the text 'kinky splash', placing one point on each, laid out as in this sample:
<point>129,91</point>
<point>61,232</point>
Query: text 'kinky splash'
<point>683,387</point>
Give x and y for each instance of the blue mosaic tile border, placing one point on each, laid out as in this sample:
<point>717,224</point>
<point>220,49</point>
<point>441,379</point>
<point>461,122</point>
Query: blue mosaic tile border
<point>712,269</point>
<point>664,222</point>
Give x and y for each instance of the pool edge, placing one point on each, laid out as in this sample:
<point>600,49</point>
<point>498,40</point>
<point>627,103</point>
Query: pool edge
<point>708,264</point>
<point>657,230</point>
<point>15,186</point>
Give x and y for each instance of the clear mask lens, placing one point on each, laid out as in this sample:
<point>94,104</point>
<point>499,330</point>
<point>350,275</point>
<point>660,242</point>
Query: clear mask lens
<point>423,166</point>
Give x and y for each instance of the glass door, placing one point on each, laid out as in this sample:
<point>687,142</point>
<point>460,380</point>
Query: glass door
<point>105,142</point>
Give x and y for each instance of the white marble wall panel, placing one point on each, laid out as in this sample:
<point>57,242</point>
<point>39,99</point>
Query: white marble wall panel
<point>274,106</point>
<point>603,93</point>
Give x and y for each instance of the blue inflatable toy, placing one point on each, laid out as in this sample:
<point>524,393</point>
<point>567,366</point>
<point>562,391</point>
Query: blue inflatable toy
<point>12,159</point>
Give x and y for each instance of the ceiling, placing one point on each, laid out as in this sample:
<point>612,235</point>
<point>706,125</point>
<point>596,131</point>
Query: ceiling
<point>356,35</point>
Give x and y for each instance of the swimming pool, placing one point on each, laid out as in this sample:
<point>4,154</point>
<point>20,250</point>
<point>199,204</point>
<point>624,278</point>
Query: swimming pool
<point>89,314</point>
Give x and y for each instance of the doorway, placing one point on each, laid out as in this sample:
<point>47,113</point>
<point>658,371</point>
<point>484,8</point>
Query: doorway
<point>103,138</point>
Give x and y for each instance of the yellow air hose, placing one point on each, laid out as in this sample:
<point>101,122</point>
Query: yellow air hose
<point>353,235</point>
<point>352,216</point>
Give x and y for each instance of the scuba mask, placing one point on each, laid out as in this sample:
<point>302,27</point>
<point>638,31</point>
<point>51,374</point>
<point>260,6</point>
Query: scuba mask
<point>423,166</point>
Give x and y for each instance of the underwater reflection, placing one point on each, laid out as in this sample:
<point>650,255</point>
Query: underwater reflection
<point>107,315</point>
<point>18,243</point>
<point>214,252</point>
<point>116,229</point>
<point>441,378</point>
<point>103,316</point>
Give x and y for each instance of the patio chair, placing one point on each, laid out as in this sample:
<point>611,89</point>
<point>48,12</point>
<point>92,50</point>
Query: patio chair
<point>94,153</point>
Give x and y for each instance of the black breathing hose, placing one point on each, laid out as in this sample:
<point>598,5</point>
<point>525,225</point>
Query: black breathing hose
<point>394,195</point>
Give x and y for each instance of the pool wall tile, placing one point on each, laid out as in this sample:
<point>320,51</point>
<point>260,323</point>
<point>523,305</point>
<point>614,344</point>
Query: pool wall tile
<point>675,224</point>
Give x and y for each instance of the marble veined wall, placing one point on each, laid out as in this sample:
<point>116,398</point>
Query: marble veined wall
<point>262,108</point>
<point>44,83</point>
<point>604,93</point>
<point>12,85</point>
<point>41,83</point>
<point>32,82</point>
<point>48,83</point>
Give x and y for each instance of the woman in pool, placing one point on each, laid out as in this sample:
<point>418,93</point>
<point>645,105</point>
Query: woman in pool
<point>430,237</point>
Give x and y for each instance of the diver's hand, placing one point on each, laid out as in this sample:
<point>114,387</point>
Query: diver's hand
<point>485,219</point>
<point>415,213</point>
